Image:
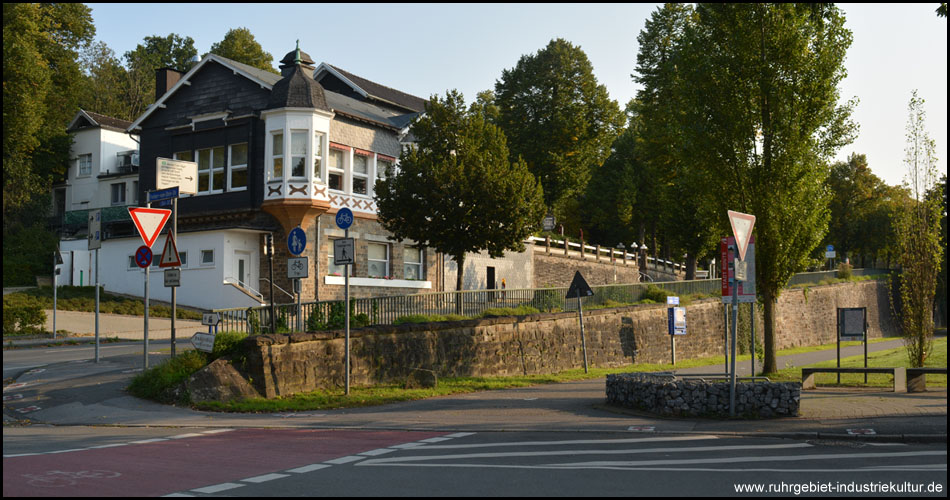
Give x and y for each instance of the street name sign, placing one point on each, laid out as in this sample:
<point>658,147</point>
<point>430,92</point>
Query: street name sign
<point>163,194</point>
<point>171,173</point>
<point>149,222</point>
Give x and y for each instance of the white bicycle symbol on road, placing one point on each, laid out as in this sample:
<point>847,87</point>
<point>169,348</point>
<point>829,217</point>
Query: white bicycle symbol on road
<point>59,479</point>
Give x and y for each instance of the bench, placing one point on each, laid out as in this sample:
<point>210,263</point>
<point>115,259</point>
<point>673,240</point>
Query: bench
<point>899,373</point>
<point>917,378</point>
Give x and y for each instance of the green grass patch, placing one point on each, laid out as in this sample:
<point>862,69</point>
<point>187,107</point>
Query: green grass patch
<point>83,298</point>
<point>890,358</point>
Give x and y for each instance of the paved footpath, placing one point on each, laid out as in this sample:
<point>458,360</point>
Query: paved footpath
<point>83,324</point>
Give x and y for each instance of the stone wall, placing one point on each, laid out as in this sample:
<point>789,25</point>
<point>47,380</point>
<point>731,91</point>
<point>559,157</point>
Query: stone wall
<point>540,343</point>
<point>666,395</point>
<point>557,270</point>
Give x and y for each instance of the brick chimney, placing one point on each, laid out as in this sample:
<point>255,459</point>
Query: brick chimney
<point>165,79</point>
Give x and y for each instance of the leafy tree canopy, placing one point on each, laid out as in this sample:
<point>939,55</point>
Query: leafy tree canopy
<point>239,45</point>
<point>456,190</point>
<point>557,118</point>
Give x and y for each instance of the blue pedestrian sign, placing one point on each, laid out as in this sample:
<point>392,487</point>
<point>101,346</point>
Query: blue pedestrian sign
<point>344,218</point>
<point>296,241</point>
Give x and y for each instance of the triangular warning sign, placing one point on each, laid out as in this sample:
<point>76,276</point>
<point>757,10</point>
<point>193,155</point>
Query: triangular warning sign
<point>170,257</point>
<point>579,286</point>
<point>742,228</point>
<point>149,222</point>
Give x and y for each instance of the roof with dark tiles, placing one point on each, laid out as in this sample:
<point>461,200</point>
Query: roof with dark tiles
<point>383,92</point>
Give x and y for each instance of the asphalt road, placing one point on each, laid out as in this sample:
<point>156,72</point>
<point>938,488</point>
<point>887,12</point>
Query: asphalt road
<point>315,462</point>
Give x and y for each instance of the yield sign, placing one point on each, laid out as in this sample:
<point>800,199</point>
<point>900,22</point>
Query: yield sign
<point>170,257</point>
<point>149,222</point>
<point>742,229</point>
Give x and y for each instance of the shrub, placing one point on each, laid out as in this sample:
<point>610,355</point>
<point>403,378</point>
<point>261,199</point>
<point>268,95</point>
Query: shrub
<point>655,295</point>
<point>844,271</point>
<point>158,383</point>
<point>509,311</point>
<point>22,316</point>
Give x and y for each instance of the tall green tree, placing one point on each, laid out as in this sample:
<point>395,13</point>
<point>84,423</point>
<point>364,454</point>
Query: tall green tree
<point>919,237</point>
<point>105,83</point>
<point>858,199</point>
<point>239,45</point>
<point>557,118</point>
<point>688,219</point>
<point>41,79</point>
<point>155,52</point>
<point>762,94</point>
<point>456,189</point>
<point>40,87</point>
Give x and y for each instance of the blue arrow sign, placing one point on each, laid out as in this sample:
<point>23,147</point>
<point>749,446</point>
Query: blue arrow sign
<point>296,241</point>
<point>163,194</point>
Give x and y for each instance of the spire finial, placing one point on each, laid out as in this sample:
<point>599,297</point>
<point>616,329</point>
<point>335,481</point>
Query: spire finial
<point>297,58</point>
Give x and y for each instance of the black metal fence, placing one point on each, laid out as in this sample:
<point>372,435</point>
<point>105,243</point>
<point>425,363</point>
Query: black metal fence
<point>467,303</point>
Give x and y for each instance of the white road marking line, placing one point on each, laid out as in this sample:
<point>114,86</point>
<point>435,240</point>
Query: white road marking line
<point>461,434</point>
<point>65,451</point>
<point>173,495</point>
<point>108,445</point>
<point>21,455</point>
<point>183,436</point>
<point>218,487</point>
<point>216,431</point>
<point>733,460</point>
<point>579,441</point>
<point>145,441</point>
<point>378,461</point>
<point>308,468</point>
<point>406,445</point>
<point>380,451</point>
<point>265,478</point>
<point>344,460</point>
<point>910,468</point>
<point>435,440</point>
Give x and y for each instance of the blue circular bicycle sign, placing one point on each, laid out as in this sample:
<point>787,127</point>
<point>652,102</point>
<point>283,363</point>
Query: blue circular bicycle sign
<point>296,241</point>
<point>344,218</point>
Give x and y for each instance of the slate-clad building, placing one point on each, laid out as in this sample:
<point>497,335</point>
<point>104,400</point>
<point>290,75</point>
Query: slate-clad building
<point>275,152</point>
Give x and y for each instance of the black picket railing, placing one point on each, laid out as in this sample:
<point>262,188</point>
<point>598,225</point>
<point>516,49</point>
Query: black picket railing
<point>467,303</point>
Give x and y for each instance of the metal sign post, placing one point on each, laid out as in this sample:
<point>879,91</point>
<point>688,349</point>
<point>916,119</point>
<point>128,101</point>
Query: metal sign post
<point>742,225</point>
<point>578,287</point>
<point>344,219</point>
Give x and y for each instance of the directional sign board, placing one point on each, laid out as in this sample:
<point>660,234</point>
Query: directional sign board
<point>297,241</point>
<point>210,319</point>
<point>149,222</point>
<point>171,173</point>
<point>95,229</point>
<point>579,286</point>
<point>298,267</point>
<point>170,257</point>
<point>203,341</point>
<point>343,251</point>
<point>742,229</point>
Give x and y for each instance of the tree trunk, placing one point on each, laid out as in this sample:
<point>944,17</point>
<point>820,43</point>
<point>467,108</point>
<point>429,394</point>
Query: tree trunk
<point>460,261</point>
<point>770,365</point>
<point>690,267</point>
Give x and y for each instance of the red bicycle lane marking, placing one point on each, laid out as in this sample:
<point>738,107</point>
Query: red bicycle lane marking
<point>164,467</point>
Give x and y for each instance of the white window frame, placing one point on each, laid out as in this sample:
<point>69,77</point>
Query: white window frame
<point>369,261</point>
<point>212,171</point>
<point>298,157</point>
<point>420,275</point>
<point>84,168</point>
<point>341,170</point>
<point>318,139</point>
<point>232,168</point>
<point>363,175</point>
<point>201,257</point>
<point>274,156</point>
<point>120,191</point>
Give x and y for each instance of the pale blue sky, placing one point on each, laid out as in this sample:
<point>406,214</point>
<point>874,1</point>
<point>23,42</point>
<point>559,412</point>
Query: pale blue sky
<point>426,49</point>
